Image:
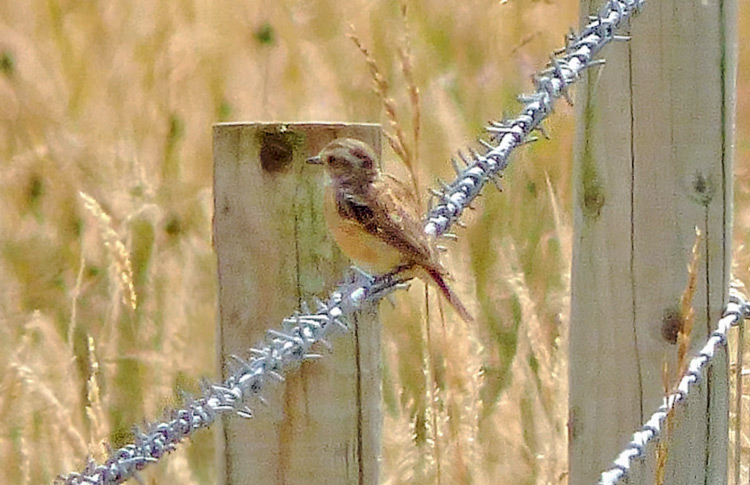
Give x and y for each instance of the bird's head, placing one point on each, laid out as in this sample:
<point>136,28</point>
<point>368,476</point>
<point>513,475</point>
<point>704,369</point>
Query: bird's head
<point>348,161</point>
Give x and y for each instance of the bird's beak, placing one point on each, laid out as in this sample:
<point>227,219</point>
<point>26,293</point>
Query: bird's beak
<point>315,160</point>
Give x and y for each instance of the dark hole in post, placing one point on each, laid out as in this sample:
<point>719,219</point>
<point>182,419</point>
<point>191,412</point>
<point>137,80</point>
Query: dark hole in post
<point>276,151</point>
<point>703,188</point>
<point>671,325</point>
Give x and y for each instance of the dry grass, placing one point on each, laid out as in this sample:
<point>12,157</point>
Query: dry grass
<point>116,100</point>
<point>671,377</point>
<point>687,312</point>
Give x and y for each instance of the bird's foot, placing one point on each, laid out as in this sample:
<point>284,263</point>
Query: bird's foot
<point>380,286</point>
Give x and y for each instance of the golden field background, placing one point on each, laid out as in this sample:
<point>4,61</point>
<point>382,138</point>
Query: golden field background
<point>116,100</point>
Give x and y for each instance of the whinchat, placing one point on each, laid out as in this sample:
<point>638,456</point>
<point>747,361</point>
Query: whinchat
<point>375,218</point>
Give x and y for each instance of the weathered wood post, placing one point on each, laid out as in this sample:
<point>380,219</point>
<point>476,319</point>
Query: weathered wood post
<point>274,251</point>
<point>653,161</point>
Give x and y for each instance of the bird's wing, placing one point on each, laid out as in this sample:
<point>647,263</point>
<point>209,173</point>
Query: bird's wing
<point>389,212</point>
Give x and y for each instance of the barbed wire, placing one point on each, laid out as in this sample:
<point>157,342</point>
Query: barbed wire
<point>280,353</point>
<point>564,69</point>
<point>734,313</point>
<point>283,350</point>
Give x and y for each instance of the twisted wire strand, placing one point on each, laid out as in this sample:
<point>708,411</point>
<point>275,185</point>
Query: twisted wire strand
<point>284,350</point>
<point>734,313</point>
<point>564,68</point>
<point>280,352</point>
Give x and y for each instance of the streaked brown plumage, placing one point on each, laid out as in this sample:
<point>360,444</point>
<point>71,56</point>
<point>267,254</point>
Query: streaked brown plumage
<point>375,218</point>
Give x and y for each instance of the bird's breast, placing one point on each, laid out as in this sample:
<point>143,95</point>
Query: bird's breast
<point>365,249</point>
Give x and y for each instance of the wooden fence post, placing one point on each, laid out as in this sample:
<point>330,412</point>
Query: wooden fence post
<point>653,161</point>
<point>322,425</point>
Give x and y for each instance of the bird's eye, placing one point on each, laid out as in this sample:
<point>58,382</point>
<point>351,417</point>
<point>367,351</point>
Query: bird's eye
<point>364,159</point>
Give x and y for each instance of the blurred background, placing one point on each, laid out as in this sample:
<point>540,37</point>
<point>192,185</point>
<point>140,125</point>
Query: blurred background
<point>108,293</point>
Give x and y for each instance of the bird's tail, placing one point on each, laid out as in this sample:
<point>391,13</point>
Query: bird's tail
<point>452,298</point>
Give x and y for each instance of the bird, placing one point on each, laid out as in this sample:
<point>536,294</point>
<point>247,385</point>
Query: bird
<point>375,218</point>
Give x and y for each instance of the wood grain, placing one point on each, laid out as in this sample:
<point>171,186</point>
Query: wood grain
<point>653,162</point>
<point>274,251</point>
